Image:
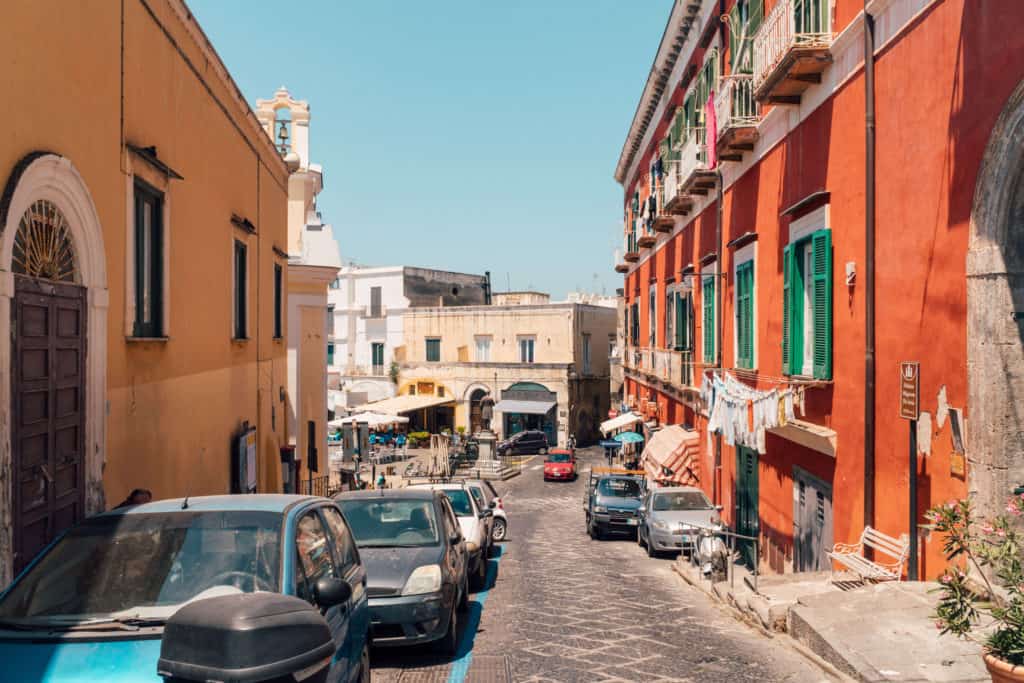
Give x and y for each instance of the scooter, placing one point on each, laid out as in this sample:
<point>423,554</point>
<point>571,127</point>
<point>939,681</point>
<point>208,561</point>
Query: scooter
<point>712,555</point>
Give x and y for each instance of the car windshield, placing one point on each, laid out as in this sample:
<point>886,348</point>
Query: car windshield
<point>681,500</point>
<point>146,565</point>
<point>389,522</point>
<point>460,502</point>
<point>559,457</point>
<point>619,488</point>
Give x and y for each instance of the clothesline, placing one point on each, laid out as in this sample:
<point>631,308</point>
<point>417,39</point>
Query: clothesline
<point>742,414</point>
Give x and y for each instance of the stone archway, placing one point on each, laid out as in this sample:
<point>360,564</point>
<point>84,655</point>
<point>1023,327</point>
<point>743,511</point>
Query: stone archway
<point>995,315</point>
<point>43,176</point>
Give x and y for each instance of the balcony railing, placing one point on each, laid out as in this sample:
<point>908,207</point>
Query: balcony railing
<point>367,371</point>
<point>791,24</point>
<point>672,367</point>
<point>735,106</point>
<point>693,162</point>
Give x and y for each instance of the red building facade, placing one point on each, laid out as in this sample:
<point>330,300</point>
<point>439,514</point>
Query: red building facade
<point>746,175</point>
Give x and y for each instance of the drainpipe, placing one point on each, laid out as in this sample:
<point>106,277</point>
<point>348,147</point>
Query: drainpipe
<point>869,268</point>
<point>719,320</point>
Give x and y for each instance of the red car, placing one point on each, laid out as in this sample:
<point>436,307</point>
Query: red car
<point>560,464</point>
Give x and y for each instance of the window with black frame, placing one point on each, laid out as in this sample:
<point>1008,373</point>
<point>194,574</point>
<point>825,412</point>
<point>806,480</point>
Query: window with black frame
<point>241,291</point>
<point>149,261</point>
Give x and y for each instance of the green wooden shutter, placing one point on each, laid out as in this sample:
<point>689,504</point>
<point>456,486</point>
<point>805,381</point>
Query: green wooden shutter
<point>787,309</point>
<point>744,315</point>
<point>734,36</point>
<point>821,243</point>
<point>708,302</point>
<point>755,17</point>
<point>680,321</point>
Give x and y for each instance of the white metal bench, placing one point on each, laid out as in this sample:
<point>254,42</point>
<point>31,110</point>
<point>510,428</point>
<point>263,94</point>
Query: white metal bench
<point>852,557</point>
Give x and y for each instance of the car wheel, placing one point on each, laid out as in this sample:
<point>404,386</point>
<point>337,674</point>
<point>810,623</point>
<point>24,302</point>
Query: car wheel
<point>450,642</point>
<point>500,530</point>
<point>639,538</point>
<point>480,575</point>
<point>464,598</point>
<point>364,664</point>
<point>542,451</point>
<point>651,552</point>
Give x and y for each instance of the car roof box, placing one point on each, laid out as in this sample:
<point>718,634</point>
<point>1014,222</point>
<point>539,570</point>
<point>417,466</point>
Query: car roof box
<point>243,638</point>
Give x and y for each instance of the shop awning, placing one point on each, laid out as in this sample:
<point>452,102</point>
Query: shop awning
<point>406,404</point>
<point>625,420</point>
<point>524,407</point>
<point>672,456</point>
<point>374,420</point>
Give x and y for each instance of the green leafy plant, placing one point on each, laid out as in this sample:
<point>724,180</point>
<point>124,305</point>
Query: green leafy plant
<point>393,372</point>
<point>420,436</point>
<point>992,548</point>
<point>460,429</point>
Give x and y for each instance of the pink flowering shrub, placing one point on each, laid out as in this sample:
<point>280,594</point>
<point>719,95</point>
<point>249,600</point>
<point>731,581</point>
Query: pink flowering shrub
<point>992,547</point>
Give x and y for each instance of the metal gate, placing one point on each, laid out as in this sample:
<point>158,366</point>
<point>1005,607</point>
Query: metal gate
<point>812,522</point>
<point>48,412</point>
<point>747,500</point>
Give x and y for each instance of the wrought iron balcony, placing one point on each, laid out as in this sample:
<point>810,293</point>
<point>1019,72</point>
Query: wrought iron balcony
<point>737,114</point>
<point>695,175</point>
<point>791,50</point>
<point>672,368</point>
<point>675,203</point>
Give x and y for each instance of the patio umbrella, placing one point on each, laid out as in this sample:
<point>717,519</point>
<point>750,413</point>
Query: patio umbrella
<point>628,437</point>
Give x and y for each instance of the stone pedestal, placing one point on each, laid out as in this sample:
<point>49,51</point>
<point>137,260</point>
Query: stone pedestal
<point>487,464</point>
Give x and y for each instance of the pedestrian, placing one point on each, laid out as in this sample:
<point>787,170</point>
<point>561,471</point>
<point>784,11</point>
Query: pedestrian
<point>136,497</point>
<point>381,480</point>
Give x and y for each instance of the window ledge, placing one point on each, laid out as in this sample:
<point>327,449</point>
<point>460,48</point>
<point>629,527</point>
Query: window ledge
<point>278,339</point>
<point>240,340</point>
<point>143,340</point>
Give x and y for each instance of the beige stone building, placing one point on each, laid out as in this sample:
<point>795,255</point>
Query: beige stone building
<point>545,364</point>
<point>143,221</point>
<point>314,260</point>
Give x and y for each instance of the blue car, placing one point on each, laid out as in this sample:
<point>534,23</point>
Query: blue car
<point>92,606</point>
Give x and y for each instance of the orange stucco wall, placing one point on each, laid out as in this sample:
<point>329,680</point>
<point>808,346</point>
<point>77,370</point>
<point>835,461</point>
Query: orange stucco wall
<point>173,405</point>
<point>940,86</point>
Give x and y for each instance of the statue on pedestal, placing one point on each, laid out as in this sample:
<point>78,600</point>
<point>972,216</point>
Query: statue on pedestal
<point>486,413</point>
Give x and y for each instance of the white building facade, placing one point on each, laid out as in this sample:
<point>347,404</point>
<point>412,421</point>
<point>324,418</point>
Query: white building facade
<point>368,305</point>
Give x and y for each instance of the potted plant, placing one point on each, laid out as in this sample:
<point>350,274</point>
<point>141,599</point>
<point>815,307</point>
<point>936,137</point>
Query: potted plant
<point>991,615</point>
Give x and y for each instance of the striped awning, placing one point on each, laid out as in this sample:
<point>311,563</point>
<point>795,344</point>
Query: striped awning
<point>672,456</point>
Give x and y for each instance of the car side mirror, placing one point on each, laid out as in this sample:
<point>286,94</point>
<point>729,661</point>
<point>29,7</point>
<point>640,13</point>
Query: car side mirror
<point>455,538</point>
<point>719,507</point>
<point>331,591</point>
<point>486,513</point>
<point>493,504</point>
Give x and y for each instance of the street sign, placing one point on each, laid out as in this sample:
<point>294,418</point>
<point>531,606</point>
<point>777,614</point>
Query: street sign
<point>910,390</point>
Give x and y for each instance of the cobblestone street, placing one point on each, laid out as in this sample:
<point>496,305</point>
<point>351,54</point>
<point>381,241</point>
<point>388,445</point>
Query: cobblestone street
<point>564,607</point>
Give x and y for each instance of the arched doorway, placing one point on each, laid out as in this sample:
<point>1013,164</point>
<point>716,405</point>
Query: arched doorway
<point>995,315</point>
<point>53,302</point>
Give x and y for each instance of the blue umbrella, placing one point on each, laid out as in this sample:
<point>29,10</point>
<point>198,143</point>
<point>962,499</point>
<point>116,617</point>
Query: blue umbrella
<point>629,437</point>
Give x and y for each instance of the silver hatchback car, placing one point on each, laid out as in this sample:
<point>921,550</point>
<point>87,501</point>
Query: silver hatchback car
<point>671,516</point>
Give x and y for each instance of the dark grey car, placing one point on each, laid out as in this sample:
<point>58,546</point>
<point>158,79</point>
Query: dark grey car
<point>415,558</point>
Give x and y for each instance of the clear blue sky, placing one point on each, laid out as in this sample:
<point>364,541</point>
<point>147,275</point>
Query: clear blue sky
<point>467,135</point>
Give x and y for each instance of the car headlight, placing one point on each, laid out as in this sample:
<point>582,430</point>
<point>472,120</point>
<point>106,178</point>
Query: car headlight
<point>472,546</point>
<point>660,525</point>
<point>600,508</point>
<point>425,579</point>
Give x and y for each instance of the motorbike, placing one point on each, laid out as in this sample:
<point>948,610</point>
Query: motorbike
<point>712,555</point>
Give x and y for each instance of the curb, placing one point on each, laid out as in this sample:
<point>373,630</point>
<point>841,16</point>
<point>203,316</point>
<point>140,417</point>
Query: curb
<point>752,620</point>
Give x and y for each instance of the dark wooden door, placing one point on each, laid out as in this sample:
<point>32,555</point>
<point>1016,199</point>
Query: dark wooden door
<point>812,522</point>
<point>747,520</point>
<point>48,408</point>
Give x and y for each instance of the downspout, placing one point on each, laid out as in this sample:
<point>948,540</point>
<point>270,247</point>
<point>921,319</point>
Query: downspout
<point>719,322</point>
<point>719,284</point>
<point>869,268</point>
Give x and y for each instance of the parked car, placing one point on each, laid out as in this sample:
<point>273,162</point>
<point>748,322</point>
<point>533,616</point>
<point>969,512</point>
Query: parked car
<point>671,517</point>
<point>613,503</point>
<point>483,489</point>
<point>476,527</point>
<point>524,443</point>
<point>416,560</point>
<point>93,604</point>
<point>561,465</point>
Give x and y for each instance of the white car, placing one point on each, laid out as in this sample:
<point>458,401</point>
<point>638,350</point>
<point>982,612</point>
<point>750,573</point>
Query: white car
<point>475,522</point>
<point>484,490</point>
